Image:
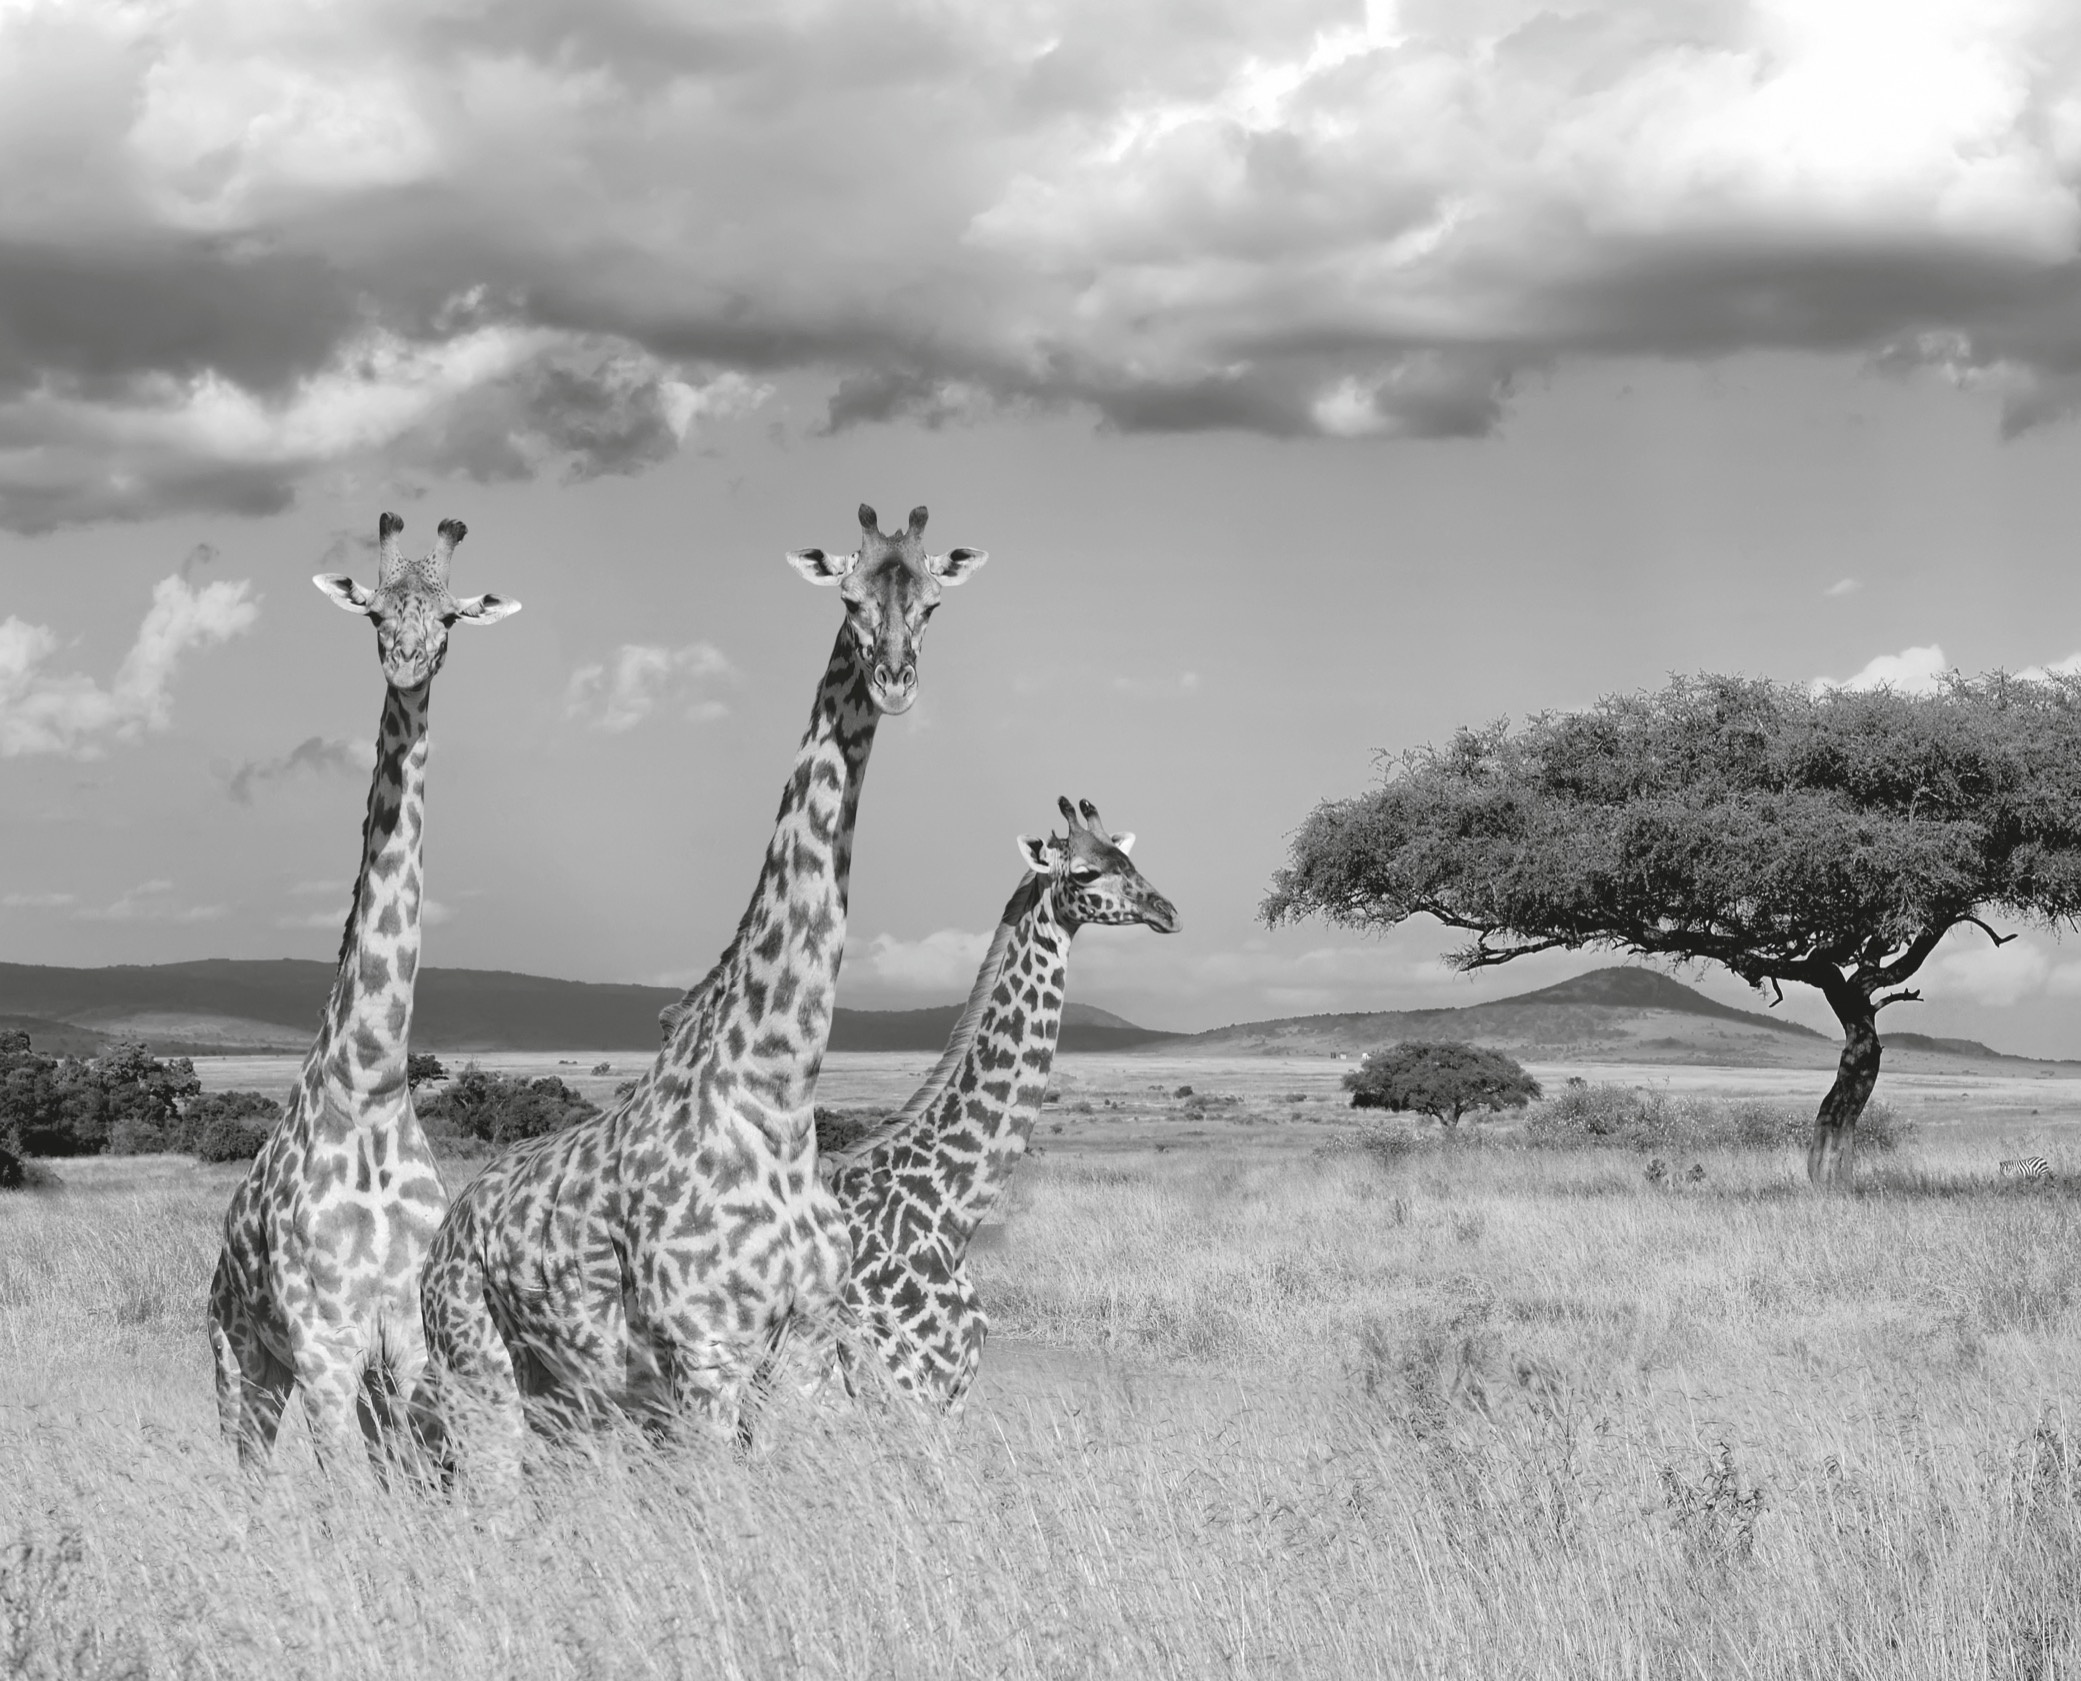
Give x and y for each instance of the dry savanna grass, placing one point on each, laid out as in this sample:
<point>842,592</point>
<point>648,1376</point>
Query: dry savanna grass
<point>1259,1403</point>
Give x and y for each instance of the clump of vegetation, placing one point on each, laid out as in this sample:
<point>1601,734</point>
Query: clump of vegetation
<point>1445,1080</point>
<point>1585,1115</point>
<point>499,1109</point>
<point>841,1129</point>
<point>423,1068</point>
<point>125,1102</point>
<point>228,1126</point>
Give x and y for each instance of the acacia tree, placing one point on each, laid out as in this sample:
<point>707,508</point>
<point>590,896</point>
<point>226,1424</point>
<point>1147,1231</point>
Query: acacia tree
<point>1439,1078</point>
<point>1830,840</point>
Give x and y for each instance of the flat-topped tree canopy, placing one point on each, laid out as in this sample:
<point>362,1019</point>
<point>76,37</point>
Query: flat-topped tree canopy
<point>1831,839</point>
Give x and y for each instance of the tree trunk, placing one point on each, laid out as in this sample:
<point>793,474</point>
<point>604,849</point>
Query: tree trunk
<point>1833,1151</point>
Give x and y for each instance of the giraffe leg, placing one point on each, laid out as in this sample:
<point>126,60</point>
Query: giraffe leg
<point>331,1380</point>
<point>922,1316</point>
<point>466,1405</point>
<point>252,1385</point>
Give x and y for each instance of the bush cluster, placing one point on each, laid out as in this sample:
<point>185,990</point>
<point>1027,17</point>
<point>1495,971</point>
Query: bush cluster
<point>1585,1115</point>
<point>499,1109</point>
<point>123,1102</point>
<point>840,1129</point>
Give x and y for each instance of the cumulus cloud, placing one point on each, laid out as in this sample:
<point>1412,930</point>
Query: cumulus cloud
<point>619,693</point>
<point>320,754</point>
<point>42,711</point>
<point>38,901</point>
<point>248,241</point>
<point>149,901</point>
<point>942,963</point>
<point>1969,965</point>
<point>1914,671</point>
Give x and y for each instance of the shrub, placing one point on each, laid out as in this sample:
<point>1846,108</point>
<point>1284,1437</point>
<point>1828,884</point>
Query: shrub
<point>1649,1119</point>
<point>499,1110</point>
<point>228,1126</point>
<point>1442,1079</point>
<point>124,1099</point>
<point>423,1068</point>
<point>840,1129</point>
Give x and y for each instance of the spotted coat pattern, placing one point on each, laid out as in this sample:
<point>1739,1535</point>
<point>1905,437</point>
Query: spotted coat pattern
<point>916,1188</point>
<point>317,1282</point>
<point>647,1261</point>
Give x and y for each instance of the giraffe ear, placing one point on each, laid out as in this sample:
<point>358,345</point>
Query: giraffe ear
<point>486,609</point>
<point>956,565</point>
<point>1036,855</point>
<point>344,591</point>
<point>1124,840</point>
<point>820,568</point>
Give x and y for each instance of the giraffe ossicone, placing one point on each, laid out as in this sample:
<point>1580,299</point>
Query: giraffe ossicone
<point>317,1283</point>
<point>917,1186</point>
<point>652,1260</point>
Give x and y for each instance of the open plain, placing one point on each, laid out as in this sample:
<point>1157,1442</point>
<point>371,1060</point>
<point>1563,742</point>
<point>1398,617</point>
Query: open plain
<point>1260,1400</point>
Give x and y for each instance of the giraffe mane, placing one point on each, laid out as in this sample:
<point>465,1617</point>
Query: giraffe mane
<point>963,1035</point>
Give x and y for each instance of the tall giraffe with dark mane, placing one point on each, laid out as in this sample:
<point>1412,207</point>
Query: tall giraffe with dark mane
<point>917,1186</point>
<point>317,1286</point>
<point>649,1261</point>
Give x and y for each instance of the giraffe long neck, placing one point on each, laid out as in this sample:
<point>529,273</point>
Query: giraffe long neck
<point>953,1154</point>
<point>362,1047</point>
<point>763,1016</point>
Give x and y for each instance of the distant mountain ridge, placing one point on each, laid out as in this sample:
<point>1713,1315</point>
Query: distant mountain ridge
<point>226,1004</point>
<point>1621,1013</point>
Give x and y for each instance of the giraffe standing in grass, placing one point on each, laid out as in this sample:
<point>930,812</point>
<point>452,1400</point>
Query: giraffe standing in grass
<point>318,1282</point>
<point>915,1189</point>
<point>649,1261</point>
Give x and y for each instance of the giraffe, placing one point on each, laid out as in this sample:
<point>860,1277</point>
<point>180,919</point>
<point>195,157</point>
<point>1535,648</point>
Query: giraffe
<point>649,1261</point>
<point>317,1285</point>
<point>917,1186</point>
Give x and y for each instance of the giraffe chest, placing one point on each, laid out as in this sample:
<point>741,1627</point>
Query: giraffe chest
<point>733,1234</point>
<point>351,1219</point>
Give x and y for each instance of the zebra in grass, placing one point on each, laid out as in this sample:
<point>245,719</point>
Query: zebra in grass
<point>2026,1167</point>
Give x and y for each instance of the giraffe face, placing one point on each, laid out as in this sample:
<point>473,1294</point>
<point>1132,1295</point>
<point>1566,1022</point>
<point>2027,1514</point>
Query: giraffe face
<point>411,604</point>
<point>1093,880</point>
<point>891,588</point>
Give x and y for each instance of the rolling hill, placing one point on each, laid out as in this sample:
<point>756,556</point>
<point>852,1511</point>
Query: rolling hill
<point>224,1004</point>
<point>1616,1014</point>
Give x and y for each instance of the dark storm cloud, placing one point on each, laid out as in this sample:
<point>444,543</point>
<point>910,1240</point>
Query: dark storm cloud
<point>248,242</point>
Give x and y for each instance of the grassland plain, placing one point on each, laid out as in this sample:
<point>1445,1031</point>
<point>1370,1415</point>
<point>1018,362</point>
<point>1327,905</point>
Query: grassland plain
<point>1258,1403</point>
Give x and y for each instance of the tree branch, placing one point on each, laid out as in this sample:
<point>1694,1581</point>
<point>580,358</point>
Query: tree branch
<point>1999,939</point>
<point>1905,996</point>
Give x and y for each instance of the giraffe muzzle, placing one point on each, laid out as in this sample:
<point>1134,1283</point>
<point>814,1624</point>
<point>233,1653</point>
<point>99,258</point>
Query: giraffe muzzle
<point>1161,915</point>
<point>894,690</point>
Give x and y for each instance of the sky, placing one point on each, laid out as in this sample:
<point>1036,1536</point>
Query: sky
<point>1319,378</point>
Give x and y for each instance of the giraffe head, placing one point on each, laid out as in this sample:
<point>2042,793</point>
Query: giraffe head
<point>411,603</point>
<point>1091,877</point>
<point>891,587</point>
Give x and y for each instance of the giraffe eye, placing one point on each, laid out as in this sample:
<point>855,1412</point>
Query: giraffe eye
<point>1086,873</point>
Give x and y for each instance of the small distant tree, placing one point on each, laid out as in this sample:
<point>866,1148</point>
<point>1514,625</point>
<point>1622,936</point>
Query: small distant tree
<point>1441,1079</point>
<point>1830,839</point>
<point>423,1068</point>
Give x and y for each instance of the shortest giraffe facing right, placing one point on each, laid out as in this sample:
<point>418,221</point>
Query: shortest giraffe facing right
<point>915,1189</point>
